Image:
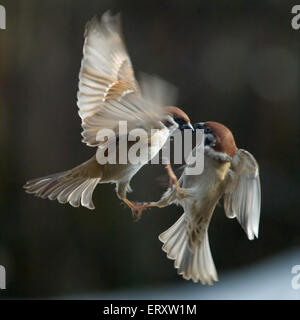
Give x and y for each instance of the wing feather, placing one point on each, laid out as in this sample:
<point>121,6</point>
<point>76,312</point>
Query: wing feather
<point>108,91</point>
<point>242,198</point>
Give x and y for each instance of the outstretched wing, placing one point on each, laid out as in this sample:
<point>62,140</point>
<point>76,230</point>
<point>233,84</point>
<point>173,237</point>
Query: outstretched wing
<point>106,70</point>
<point>242,198</point>
<point>108,91</point>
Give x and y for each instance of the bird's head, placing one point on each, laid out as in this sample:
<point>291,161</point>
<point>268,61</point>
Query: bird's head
<point>180,117</point>
<point>218,137</point>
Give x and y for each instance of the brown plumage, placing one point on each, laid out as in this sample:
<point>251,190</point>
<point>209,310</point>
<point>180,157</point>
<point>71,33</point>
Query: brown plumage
<point>224,139</point>
<point>109,93</point>
<point>176,112</point>
<point>228,172</point>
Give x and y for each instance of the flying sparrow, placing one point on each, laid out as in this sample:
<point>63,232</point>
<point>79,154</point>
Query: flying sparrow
<point>109,93</point>
<point>230,173</point>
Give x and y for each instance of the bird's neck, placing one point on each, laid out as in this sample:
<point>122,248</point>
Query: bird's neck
<point>216,155</point>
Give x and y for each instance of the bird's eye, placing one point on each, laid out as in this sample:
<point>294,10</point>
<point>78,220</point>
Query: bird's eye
<point>207,130</point>
<point>168,123</point>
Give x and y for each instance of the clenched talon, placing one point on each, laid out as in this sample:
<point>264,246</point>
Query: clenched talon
<point>138,208</point>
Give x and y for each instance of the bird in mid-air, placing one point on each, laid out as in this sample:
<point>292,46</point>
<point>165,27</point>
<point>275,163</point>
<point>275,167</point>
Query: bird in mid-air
<point>109,93</point>
<point>230,173</point>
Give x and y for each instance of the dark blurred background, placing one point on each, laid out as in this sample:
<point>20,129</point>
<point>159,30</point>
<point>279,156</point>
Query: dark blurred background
<point>236,62</point>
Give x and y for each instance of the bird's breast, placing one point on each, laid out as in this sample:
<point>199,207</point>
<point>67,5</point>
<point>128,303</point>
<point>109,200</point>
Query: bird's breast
<point>206,188</point>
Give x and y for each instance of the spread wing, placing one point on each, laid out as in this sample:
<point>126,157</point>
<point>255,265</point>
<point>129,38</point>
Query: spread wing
<point>242,197</point>
<point>108,91</point>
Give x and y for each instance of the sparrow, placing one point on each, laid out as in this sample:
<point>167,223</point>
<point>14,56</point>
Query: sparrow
<point>109,93</point>
<point>229,173</point>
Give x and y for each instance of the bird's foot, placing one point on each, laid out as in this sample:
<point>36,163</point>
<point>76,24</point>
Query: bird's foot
<point>137,208</point>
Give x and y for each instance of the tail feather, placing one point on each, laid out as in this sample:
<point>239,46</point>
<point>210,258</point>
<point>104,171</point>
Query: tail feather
<point>75,186</point>
<point>196,264</point>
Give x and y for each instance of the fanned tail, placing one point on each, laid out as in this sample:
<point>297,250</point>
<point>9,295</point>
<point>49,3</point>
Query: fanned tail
<point>195,264</point>
<point>74,186</point>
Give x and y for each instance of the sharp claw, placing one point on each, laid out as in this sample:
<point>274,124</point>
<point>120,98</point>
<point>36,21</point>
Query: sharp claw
<point>137,209</point>
<point>137,217</point>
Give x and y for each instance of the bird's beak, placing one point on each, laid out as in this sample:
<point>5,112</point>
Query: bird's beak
<point>200,125</point>
<point>187,126</point>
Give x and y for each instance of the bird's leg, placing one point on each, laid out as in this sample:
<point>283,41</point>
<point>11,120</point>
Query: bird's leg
<point>159,204</point>
<point>170,195</point>
<point>173,181</point>
<point>136,207</point>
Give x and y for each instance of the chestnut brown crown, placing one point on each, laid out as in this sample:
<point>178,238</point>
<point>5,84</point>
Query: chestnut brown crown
<point>224,139</point>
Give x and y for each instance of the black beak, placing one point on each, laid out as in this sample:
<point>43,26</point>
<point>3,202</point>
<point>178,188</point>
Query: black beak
<point>187,126</point>
<point>199,125</point>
